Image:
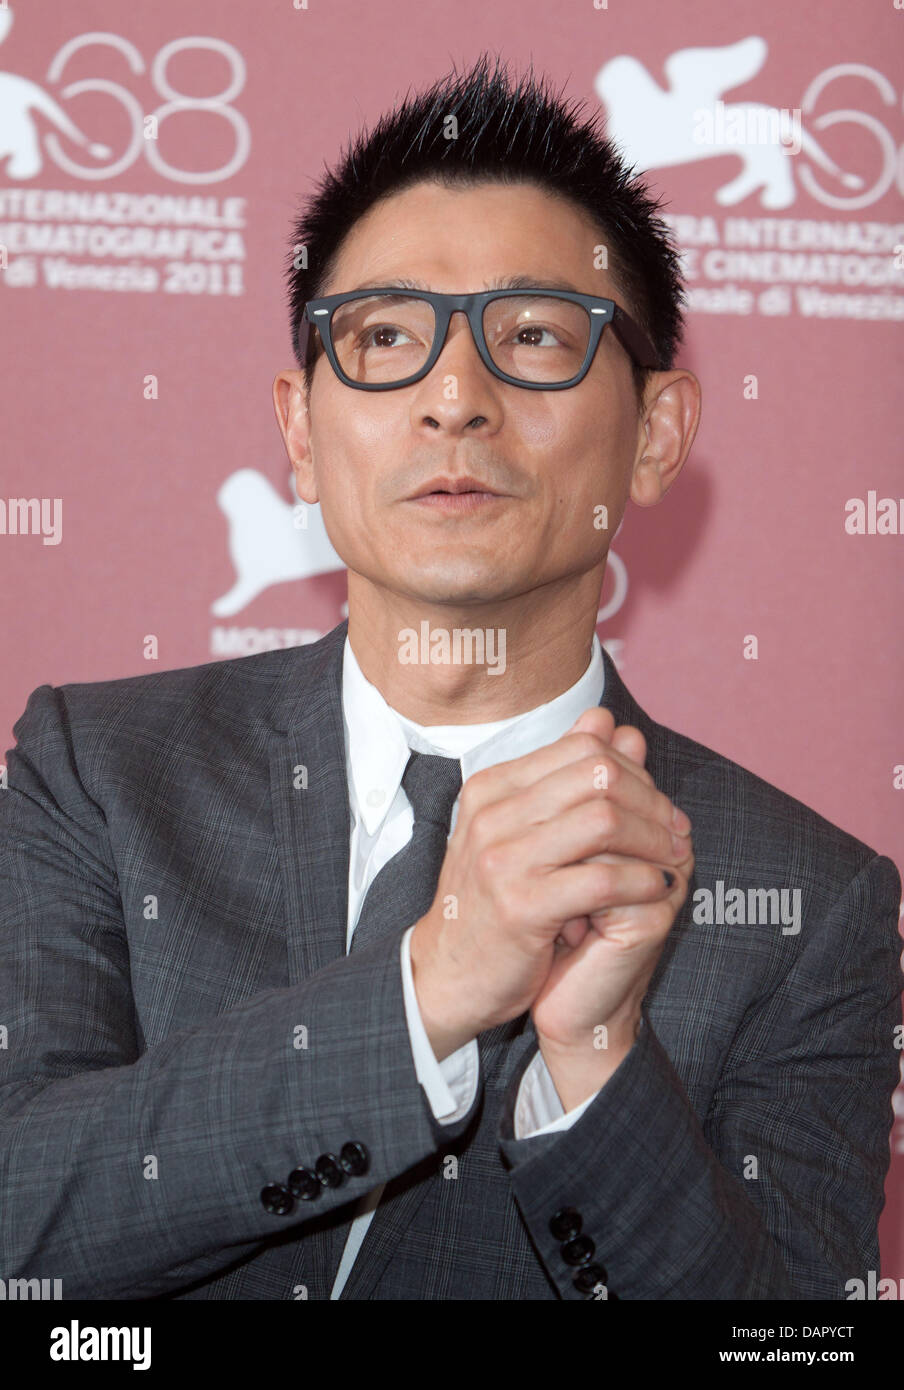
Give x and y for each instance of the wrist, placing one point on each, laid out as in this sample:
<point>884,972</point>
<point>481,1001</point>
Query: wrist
<point>582,1067</point>
<point>618,1031</point>
<point>446,1030</point>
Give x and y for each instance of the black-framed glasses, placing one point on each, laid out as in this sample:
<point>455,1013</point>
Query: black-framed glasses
<point>543,340</point>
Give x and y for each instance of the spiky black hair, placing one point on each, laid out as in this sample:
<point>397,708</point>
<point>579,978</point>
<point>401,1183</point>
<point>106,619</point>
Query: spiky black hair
<point>506,134</point>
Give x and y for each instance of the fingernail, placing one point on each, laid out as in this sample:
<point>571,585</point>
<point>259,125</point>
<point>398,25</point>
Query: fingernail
<point>681,822</point>
<point>669,878</point>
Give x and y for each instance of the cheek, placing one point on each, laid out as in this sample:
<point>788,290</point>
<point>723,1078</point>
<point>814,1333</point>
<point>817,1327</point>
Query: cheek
<point>592,456</point>
<point>343,496</point>
<point>341,452</point>
<point>588,451</point>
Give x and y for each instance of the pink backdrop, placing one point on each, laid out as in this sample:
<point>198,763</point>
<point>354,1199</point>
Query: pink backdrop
<point>143,323</point>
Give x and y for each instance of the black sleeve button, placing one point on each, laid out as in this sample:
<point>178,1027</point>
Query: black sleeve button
<point>276,1199</point>
<point>304,1184</point>
<point>578,1251</point>
<point>328,1170</point>
<point>586,1279</point>
<point>566,1224</point>
<point>353,1157</point>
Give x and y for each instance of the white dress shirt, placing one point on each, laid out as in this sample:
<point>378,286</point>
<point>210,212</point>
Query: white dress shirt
<point>378,744</point>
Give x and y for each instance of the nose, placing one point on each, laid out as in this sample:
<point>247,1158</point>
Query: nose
<point>459,355</point>
<point>459,390</point>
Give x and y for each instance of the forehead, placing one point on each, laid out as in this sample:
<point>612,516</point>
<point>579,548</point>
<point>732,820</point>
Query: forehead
<point>464,239</point>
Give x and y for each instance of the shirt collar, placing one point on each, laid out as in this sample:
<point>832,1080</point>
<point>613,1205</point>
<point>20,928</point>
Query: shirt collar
<point>378,739</point>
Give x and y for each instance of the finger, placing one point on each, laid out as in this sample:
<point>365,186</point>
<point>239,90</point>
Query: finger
<point>675,881</point>
<point>577,837</point>
<point>625,738</point>
<point>684,866</point>
<point>631,742</point>
<point>634,922</point>
<point>572,932</point>
<point>505,779</point>
<point>633,891</point>
<point>589,783</point>
<point>626,743</point>
<point>595,720</point>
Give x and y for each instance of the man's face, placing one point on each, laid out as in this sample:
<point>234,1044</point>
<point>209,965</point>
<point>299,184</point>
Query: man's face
<point>556,455</point>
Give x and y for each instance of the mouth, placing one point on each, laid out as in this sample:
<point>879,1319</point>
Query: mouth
<point>457,502</point>
<point>457,496</point>
<point>453,487</point>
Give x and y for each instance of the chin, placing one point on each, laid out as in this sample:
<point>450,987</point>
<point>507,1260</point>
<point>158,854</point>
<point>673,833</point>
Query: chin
<point>442,591</point>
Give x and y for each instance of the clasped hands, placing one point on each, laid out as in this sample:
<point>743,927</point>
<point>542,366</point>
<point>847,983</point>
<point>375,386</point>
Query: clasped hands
<point>553,897</point>
<point>603,961</point>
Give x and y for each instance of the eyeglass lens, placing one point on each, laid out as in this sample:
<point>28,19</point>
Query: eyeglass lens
<point>383,338</point>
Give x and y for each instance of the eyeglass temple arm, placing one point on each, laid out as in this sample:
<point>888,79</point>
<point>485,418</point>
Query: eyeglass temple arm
<point>634,339</point>
<point>303,338</point>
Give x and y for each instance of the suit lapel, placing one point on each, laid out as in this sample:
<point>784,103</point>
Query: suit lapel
<point>309,790</point>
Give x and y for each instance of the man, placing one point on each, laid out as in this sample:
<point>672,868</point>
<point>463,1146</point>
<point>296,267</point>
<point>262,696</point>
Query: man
<point>371,969</point>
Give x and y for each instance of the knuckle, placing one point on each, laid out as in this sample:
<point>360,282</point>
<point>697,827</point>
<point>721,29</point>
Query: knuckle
<point>603,881</point>
<point>662,915</point>
<point>613,769</point>
<point>657,884</point>
<point>479,826</point>
<point>514,905</point>
<point>605,818</point>
<point>472,790</point>
<point>635,937</point>
<point>489,863</point>
<point>589,743</point>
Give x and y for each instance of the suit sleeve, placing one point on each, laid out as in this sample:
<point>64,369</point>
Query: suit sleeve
<point>127,1171</point>
<point>538,1108</point>
<point>777,1194</point>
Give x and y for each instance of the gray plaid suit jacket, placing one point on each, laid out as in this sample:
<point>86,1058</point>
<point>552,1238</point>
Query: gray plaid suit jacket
<point>173,909</point>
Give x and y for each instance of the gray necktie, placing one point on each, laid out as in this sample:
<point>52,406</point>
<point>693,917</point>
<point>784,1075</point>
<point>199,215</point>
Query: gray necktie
<point>405,887</point>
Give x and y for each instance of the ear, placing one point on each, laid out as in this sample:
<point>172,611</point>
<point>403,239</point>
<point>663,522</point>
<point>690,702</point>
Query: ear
<point>293,417</point>
<point>670,419</point>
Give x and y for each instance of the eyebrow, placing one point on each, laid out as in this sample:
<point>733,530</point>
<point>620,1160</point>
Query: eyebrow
<point>507,282</point>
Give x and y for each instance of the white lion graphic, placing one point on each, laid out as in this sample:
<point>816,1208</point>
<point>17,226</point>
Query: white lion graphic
<point>655,128</point>
<point>19,141</point>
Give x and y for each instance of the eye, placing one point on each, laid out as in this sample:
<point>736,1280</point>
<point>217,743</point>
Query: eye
<point>536,329</point>
<point>383,329</point>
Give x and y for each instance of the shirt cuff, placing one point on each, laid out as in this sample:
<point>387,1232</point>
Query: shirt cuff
<point>451,1084</point>
<point>538,1109</point>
